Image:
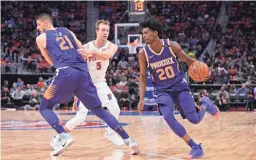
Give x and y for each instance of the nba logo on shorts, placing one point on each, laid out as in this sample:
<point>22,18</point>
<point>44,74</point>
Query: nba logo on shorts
<point>109,96</point>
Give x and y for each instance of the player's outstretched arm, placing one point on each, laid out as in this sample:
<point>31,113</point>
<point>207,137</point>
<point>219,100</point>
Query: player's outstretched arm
<point>102,55</point>
<point>180,53</point>
<point>143,79</point>
<point>41,43</point>
<point>105,55</point>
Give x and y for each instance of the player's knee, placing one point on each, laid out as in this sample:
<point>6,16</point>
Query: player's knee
<point>169,119</point>
<point>193,118</point>
<point>113,108</point>
<point>194,121</point>
<point>96,108</point>
<point>97,111</point>
<point>45,104</point>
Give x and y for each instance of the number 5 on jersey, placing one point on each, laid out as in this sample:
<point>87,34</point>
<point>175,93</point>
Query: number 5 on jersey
<point>63,42</point>
<point>98,65</point>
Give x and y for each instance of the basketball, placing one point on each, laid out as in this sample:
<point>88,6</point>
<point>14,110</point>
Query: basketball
<point>199,71</point>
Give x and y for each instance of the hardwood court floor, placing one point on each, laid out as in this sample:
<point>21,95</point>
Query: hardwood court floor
<point>233,138</point>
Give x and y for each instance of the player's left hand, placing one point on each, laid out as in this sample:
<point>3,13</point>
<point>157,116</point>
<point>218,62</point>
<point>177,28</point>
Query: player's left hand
<point>140,106</point>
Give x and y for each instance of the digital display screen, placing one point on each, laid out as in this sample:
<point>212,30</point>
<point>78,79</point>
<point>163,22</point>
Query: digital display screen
<point>137,6</point>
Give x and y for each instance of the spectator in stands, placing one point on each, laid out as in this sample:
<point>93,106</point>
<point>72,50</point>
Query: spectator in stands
<point>40,83</point>
<point>232,71</point>
<point>19,83</point>
<point>5,96</point>
<point>132,73</point>
<point>28,92</point>
<point>42,90</point>
<point>116,77</point>
<point>124,99</point>
<point>122,64</point>
<point>123,82</point>
<point>33,102</point>
<point>6,84</point>
<point>232,89</point>
<point>17,96</point>
<point>242,91</point>
<point>223,99</point>
<point>38,91</point>
<point>133,92</point>
<point>249,81</point>
<point>250,100</point>
<point>220,77</point>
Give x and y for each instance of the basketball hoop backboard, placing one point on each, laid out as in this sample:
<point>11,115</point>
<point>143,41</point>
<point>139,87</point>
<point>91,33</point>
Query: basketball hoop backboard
<point>127,36</point>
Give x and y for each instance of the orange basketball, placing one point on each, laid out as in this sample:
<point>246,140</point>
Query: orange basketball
<point>199,71</point>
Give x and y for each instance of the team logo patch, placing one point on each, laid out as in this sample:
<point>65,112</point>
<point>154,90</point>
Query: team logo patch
<point>43,125</point>
<point>109,96</point>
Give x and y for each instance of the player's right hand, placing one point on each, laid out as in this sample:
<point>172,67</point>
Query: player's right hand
<point>140,106</point>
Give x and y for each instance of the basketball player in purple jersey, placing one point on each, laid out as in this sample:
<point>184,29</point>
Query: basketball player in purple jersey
<point>59,47</point>
<point>160,56</point>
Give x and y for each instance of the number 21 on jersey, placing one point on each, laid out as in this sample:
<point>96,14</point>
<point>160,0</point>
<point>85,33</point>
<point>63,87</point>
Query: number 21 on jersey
<point>65,42</point>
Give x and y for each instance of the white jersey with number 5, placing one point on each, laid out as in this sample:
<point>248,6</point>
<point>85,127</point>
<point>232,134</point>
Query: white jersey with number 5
<point>97,68</point>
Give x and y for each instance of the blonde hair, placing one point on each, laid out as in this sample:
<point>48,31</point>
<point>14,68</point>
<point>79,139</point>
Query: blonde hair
<point>101,21</point>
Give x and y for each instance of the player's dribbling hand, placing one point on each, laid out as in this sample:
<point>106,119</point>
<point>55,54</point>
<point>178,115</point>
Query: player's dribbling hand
<point>140,106</point>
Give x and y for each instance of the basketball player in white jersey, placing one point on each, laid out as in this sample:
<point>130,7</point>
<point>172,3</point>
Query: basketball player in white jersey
<point>98,53</point>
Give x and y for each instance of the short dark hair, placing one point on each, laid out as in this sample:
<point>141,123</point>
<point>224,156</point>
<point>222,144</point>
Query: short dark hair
<point>44,16</point>
<point>153,24</point>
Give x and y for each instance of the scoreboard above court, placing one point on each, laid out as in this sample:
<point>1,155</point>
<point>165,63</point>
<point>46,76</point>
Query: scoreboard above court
<point>137,7</point>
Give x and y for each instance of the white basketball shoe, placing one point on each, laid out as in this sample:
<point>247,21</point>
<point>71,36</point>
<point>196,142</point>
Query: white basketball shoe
<point>114,138</point>
<point>133,146</point>
<point>55,141</point>
<point>64,141</point>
